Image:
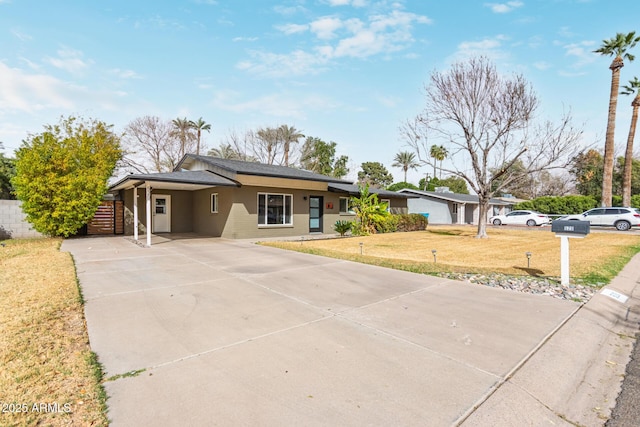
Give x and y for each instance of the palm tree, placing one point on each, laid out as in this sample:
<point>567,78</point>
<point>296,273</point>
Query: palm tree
<point>182,131</point>
<point>617,47</point>
<point>405,160</point>
<point>630,89</point>
<point>289,135</point>
<point>438,152</point>
<point>199,125</point>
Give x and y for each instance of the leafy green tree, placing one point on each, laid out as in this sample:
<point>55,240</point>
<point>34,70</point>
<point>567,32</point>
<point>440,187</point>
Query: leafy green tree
<point>455,184</point>
<point>587,170</point>
<point>400,185</point>
<point>61,174</point>
<point>520,181</point>
<point>632,88</point>
<point>375,175</point>
<point>7,171</point>
<point>405,160</point>
<point>320,157</point>
<point>617,47</point>
<point>199,125</point>
<point>370,212</point>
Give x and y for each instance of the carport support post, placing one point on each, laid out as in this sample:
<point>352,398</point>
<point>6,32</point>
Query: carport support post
<point>564,260</point>
<point>135,213</point>
<point>148,205</point>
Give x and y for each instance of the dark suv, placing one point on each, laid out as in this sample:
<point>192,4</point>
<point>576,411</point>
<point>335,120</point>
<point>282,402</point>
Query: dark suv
<point>621,218</point>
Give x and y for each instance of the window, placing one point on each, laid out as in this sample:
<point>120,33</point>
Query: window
<point>214,202</point>
<point>345,207</point>
<point>275,209</point>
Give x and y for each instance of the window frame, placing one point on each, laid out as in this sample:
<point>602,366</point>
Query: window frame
<point>266,210</point>
<point>388,202</point>
<point>348,202</point>
<point>214,196</point>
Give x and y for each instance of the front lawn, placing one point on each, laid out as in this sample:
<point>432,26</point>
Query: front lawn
<point>48,374</point>
<point>595,259</point>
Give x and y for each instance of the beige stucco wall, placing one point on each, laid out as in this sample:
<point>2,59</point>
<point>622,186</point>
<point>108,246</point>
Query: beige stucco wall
<point>181,210</point>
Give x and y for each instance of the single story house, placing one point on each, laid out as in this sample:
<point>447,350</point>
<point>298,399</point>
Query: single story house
<point>446,207</point>
<point>238,199</point>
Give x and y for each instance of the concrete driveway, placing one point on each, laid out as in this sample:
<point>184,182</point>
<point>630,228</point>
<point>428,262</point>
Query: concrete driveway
<point>230,333</point>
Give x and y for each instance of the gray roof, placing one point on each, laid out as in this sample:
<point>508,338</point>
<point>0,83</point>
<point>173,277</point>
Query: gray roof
<point>260,169</point>
<point>452,197</point>
<point>354,190</point>
<point>183,177</point>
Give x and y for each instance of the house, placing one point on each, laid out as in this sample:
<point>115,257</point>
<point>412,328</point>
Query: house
<point>445,207</point>
<point>237,199</point>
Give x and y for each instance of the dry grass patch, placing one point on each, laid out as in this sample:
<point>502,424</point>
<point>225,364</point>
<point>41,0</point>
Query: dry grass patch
<point>597,257</point>
<point>44,347</point>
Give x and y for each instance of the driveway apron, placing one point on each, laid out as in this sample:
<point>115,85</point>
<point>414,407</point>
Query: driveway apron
<point>205,331</point>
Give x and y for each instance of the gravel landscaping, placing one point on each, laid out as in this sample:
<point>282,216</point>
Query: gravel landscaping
<point>530,285</point>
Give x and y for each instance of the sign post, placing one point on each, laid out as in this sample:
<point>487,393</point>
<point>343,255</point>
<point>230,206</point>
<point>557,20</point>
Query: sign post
<point>565,230</point>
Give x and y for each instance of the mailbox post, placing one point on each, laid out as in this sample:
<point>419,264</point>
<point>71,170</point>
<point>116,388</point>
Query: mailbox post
<point>566,230</point>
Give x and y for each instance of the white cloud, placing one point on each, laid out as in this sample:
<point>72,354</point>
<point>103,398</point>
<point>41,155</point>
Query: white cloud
<point>354,3</point>
<point>288,11</point>
<point>582,52</point>
<point>292,28</point>
<point>125,74</point>
<point>278,105</point>
<point>542,65</point>
<point>32,92</point>
<point>489,47</point>
<point>20,35</point>
<point>281,65</point>
<point>380,34</point>
<point>69,60</point>
<point>244,39</point>
<point>325,28</point>
<point>504,7</point>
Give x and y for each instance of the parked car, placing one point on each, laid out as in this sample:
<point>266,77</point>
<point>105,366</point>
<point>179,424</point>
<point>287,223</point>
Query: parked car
<point>530,218</point>
<point>620,218</point>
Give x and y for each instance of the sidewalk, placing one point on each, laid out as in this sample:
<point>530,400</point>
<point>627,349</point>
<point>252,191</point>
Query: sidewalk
<point>576,376</point>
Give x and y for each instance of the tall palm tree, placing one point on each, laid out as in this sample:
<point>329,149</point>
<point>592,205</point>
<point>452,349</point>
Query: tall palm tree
<point>182,131</point>
<point>438,152</point>
<point>616,47</point>
<point>289,135</point>
<point>632,88</point>
<point>199,125</point>
<point>405,160</point>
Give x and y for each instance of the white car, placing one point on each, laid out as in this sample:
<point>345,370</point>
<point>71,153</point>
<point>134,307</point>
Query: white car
<point>530,218</point>
<point>620,218</point>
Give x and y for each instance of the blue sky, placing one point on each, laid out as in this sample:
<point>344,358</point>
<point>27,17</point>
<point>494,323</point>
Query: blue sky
<point>348,71</point>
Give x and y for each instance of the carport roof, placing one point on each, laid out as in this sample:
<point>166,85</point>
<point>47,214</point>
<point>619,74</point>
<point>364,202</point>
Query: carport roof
<point>183,180</point>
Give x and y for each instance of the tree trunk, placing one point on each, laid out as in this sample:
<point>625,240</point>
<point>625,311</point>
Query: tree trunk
<point>609,145</point>
<point>628,155</point>
<point>483,205</point>
<point>198,146</point>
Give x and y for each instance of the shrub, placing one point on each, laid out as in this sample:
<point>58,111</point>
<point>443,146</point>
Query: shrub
<point>561,205</point>
<point>412,222</point>
<point>343,227</point>
<point>387,224</point>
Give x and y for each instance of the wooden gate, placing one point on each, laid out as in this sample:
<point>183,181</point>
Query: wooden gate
<point>108,219</point>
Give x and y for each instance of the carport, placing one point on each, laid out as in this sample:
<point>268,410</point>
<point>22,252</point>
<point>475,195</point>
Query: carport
<point>161,211</point>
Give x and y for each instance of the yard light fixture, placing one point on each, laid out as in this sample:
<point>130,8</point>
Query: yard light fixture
<point>433,251</point>
<point>528,254</point>
<point>361,245</point>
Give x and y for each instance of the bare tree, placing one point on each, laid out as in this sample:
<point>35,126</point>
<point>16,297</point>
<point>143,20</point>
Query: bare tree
<point>150,146</point>
<point>269,145</point>
<point>485,121</point>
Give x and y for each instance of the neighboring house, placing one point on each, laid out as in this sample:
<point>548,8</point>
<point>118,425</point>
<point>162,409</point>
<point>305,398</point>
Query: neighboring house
<point>445,207</point>
<point>237,199</point>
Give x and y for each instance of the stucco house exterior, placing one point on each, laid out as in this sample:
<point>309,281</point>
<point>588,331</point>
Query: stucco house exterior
<point>445,207</point>
<point>237,199</point>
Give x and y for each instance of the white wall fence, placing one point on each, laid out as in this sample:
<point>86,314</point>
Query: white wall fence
<point>13,223</point>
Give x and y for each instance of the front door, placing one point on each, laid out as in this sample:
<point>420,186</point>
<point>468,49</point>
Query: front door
<point>161,212</point>
<point>315,214</point>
